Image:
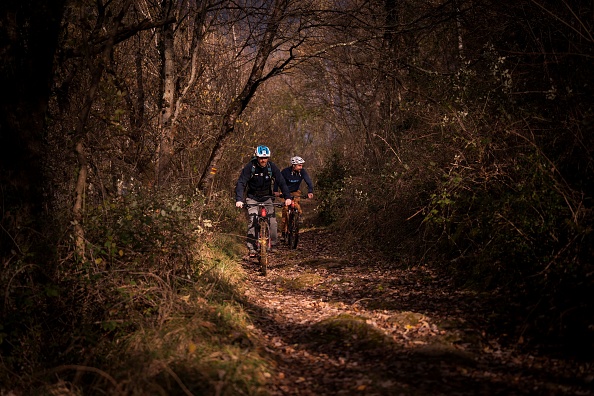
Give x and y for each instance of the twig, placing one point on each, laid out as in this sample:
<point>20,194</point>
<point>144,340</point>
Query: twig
<point>390,147</point>
<point>10,281</point>
<point>526,237</point>
<point>13,241</point>
<point>556,256</point>
<point>587,38</point>
<point>82,368</point>
<point>177,379</point>
<point>416,213</point>
<point>362,299</point>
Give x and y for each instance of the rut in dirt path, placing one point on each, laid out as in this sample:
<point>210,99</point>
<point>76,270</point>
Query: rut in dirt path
<point>339,323</point>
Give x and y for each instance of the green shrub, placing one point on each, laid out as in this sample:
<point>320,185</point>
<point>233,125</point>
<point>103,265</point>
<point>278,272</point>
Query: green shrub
<point>330,186</point>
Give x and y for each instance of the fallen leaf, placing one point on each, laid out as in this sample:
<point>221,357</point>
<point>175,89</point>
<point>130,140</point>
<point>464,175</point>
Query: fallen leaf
<point>191,347</point>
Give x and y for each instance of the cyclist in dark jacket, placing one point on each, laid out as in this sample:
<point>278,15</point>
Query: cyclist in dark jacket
<point>255,182</point>
<point>293,176</point>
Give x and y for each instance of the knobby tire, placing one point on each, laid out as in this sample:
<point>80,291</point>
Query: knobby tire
<point>263,239</point>
<point>293,230</point>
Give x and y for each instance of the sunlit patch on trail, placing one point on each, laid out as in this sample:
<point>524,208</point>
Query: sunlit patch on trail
<point>347,331</point>
<point>325,262</point>
<point>301,281</point>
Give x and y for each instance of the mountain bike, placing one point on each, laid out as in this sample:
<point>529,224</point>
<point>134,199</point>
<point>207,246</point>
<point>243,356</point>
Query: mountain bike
<point>293,224</point>
<point>262,230</point>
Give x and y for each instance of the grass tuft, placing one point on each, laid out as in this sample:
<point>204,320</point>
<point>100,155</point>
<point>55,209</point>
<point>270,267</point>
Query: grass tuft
<point>348,331</point>
<point>302,281</point>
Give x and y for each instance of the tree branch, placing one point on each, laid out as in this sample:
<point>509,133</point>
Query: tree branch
<point>97,45</point>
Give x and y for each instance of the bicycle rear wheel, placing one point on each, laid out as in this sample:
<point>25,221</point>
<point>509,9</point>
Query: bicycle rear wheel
<point>263,239</point>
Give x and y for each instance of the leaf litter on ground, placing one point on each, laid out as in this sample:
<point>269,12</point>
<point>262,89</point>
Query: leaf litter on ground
<point>334,322</point>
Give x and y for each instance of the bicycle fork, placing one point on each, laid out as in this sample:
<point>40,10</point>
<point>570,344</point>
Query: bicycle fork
<point>263,239</point>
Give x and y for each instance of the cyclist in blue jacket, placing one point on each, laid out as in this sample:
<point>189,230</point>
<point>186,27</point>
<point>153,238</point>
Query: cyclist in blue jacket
<point>293,176</point>
<point>255,182</point>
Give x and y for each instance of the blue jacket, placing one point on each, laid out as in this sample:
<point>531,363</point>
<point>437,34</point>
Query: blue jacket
<point>259,186</point>
<point>293,180</point>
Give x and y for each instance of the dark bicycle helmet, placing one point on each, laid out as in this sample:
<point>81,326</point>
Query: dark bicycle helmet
<point>262,152</point>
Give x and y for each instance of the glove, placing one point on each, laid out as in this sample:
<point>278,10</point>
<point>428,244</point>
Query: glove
<point>239,204</point>
<point>287,202</point>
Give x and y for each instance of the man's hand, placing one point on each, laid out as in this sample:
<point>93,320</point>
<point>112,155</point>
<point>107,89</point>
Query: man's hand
<point>239,204</point>
<point>287,202</point>
<point>310,195</point>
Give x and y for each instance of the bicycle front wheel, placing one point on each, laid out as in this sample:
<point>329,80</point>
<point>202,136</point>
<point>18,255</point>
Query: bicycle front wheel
<point>293,237</point>
<point>264,238</point>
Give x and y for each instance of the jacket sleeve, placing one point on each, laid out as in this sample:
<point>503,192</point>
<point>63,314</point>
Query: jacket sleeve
<point>275,188</point>
<point>308,181</point>
<point>279,180</point>
<point>242,182</point>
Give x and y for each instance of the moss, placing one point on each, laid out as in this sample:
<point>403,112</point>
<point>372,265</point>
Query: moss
<point>302,281</point>
<point>406,318</point>
<point>348,331</point>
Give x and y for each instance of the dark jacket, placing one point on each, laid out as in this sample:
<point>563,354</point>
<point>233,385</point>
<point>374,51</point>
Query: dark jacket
<point>259,186</point>
<point>293,180</point>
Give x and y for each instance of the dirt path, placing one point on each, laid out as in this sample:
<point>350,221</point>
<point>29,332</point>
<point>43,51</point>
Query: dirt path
<point>336,323</point>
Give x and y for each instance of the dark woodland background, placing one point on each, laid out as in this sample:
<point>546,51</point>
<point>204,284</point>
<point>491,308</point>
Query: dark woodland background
<point>456,134</point>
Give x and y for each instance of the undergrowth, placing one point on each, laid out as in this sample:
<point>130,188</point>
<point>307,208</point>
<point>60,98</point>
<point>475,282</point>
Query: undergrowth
<point>492,191</point>
<point>153,308</point>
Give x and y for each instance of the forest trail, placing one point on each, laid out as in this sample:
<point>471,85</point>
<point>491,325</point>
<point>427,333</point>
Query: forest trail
<point>343,323</point>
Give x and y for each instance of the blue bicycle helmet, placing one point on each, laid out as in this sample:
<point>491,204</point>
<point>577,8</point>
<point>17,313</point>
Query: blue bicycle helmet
<point>262,152</point>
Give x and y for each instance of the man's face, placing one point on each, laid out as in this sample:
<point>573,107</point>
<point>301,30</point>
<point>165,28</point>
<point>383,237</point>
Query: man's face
<point>297,167</point>
<point>262,161</point>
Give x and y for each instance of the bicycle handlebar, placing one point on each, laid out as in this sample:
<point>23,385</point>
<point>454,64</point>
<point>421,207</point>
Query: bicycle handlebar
<point>276,204</point>
<point>293,197</point>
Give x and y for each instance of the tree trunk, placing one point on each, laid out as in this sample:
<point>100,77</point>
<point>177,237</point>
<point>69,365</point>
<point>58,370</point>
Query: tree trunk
<point>166,124</point>
<point>28,39</point>
<point>81,182</point>
<point>172,95</point>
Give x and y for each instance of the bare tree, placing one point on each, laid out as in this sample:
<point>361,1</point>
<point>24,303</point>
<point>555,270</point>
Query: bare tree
<point>93,51</point>
<point>257,76</point>
<point>181,68</point>
<point>81,152</point>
